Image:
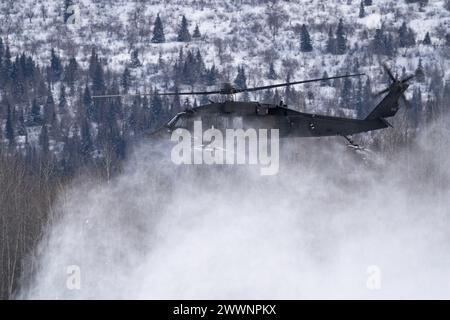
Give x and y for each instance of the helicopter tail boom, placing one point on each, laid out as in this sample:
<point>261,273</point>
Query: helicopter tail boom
<point>389,106</point>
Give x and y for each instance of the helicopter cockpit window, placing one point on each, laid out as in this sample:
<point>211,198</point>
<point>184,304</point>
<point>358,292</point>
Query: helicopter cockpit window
<point>179,121</point>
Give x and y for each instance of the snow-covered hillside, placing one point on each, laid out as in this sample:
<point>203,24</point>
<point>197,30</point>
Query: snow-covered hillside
<point>261,36</point>
<point>234,32</point>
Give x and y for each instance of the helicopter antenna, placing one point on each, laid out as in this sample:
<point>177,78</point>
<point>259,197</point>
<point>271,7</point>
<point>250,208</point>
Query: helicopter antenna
<point>230,90</point>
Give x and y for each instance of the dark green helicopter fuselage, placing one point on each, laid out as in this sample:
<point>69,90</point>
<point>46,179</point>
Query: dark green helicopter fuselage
<point>254,115</point>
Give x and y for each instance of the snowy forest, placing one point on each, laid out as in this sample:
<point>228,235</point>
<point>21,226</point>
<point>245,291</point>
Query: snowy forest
<point>56,55</point>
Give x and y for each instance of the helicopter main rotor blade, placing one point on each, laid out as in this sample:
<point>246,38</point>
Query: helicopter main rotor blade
<point>381,92</point>
<point>188,93</point>
<point>159,94</point>
<point>121,95</point>
<point>230,90</point>
<point>296,82</point>
<point>408,78</point>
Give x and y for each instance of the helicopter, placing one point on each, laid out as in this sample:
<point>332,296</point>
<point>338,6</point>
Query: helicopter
<point>290,123</point>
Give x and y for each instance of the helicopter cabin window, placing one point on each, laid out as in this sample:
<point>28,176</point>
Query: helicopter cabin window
<point>262,110</point>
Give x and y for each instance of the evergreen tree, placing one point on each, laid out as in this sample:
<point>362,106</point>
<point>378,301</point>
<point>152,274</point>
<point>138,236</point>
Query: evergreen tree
<point>199,65</point>
<point>158,31</point>
<point>21,129</point>
<point>125,80</point>
<point>403,35</point>
<point>187,104</point>
<point>420,73</point>
<point>49,108</point>
<point>66,11</point>
<point>156,109</point>
<point>135,63</point>
<point>98,82</point>
<point>427,39</point>
<point>288,91</point>
<point>93,61</point>
<point>161,62</point>
<point>411,37</point>
<point>406,36</point>
<point>331,42</point>
<point>29,68</point>
<point>183,33</point>
<point>341,41</point>
<point>55,66</point>
<point>389,46</point>
<point>211,76</point>
<point>133,116</point>
<point>362,12</point>
<point>116,104</point>
<point>346,93</point>
<point>325,83</point>
<point>416,104</point>
<point>9,127</point>
<point>70,72</point>
<point>98,88</point>
<point>196,34</point>
<point>44,140</point>
<point>367,98</point>
<point>176,103</point>
<point>204,99</point>
<point>17,81</point>
<point>383,44</point>
<point>62,99</point>
<point>87,103</point>
<point>355,68</point>
<point>277,98</point>
<point>241,79</point>
<point>272,75</point>
<point>189,73</point>
<point>5,68</point>
<point>35,115</point>
<point>430,110</point>
<point>2,49</point>
<point>268,96</point>
<point>367,3</point>
<point>144,120</point>
<point>379,42</point>
<point>305,40</point>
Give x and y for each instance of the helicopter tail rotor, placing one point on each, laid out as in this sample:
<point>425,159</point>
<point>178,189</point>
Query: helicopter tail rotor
<point>396,84</point>
<point>388,107</point>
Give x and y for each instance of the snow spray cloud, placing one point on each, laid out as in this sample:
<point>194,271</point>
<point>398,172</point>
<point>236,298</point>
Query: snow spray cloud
<point>239,147</point>
<point>328,225</point>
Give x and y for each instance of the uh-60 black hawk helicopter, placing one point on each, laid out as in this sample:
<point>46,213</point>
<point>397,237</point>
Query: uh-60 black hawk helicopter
<point>231,114</point>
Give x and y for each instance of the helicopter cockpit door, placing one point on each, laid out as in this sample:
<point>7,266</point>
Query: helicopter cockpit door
<point>262,110</point>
